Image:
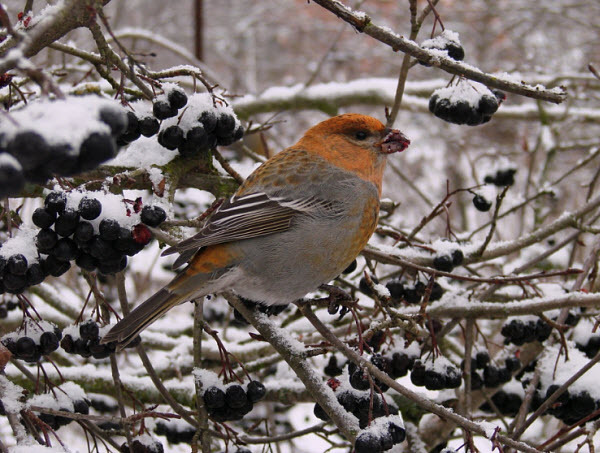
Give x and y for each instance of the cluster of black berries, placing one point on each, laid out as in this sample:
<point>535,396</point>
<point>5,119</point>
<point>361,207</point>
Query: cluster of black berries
<point>191,136</point>
<point>234,402</point>
<point>175,433</point>
<point>493,375</point>
<point>168,105</point>
<point>209,130</point>
<point>367,406</point>
<point>148,124</point>
<point>142,446</point>
<point>458,106</point>
<point>361,404</point>
<point>519,332</point>
<point>358,404</point>
<point>7,306</point>
<point>481,203</point>
<point>502,177</point>
<point>447,262</point>
<point>412,294</point>
<point>67,234</point>
<point>80,406</point>
<point>570,407</point>
<point>507,402</point>
<point>85,341</point>
<point>360,379</point>
<point>434,377</point>
<point>42,340</point>
<point>16,273</point>
<point>396,366</point>
<point>26,155</point>
<point>447,41</point>
<point>137,126</point>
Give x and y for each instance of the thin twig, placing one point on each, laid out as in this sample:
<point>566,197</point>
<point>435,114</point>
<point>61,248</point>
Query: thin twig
<point>227,167</point>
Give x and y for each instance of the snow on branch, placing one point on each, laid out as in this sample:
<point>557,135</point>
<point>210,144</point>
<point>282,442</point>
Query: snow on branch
<point>54,23</point>
<point>362,23</point>
<point>380,91</point>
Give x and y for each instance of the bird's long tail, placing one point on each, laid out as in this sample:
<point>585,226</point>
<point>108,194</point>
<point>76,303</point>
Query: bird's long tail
<point>142,316</point>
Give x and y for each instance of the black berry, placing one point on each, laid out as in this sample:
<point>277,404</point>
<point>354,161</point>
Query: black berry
<point>89,330</point>
<point>66,223</point>
<point>17,264</point>
<point>48,342</point>
<point>95,150</point>
<point>153,215</point>
<point>109,229</point>
<point>84,232</point>
<point>149,126</point>
<point>177,99</point>
<point>396,289</point>
<point>89,208</point>
<point>171,137</point>
<point>132,132</point>
<point>481,204</point>
<point>256,391</point>
<point>35,274</point>
<point>235,396</point>
<point>66,250</point>
<point>214,398</point>
<point>208,120</point>
<point>163,110</point>
<point>443,263</point>
<point>46,240</point>
<point>367,442</point>
<point>56,202</point>
<point>225,125</point>
<point>43,218</point>
<point>332,369</point>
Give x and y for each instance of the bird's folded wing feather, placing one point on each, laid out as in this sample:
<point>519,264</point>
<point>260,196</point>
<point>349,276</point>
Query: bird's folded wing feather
<point>249,216</point>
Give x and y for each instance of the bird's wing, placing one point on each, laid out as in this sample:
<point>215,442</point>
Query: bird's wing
<point>248,216</point>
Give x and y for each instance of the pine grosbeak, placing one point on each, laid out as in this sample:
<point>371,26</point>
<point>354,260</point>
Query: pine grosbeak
<point>297,222</point>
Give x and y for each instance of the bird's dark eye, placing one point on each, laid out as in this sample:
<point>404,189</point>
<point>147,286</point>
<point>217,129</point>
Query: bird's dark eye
<point>361,135</point>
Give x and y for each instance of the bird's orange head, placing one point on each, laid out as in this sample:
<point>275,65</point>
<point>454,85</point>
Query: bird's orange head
<point>356,143</point>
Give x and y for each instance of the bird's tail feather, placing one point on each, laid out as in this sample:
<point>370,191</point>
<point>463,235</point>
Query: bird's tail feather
<point>142,316</point>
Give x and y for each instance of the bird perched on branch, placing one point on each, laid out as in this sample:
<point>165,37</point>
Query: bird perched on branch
<point>297,222</point>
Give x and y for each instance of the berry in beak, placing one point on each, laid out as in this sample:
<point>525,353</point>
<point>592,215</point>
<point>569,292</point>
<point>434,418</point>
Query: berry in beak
<point>394,142</point>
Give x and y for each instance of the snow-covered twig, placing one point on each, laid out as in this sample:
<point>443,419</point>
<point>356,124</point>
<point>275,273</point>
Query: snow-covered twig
<point>362,23</point>
<point>491,310</point>
<point>57,21</point>
<point>290,351</point>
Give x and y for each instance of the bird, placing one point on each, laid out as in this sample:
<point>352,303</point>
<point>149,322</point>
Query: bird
<point>295,223</point>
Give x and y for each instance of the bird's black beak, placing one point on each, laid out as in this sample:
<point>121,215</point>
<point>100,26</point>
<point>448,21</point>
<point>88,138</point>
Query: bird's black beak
<point>394,141</point>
